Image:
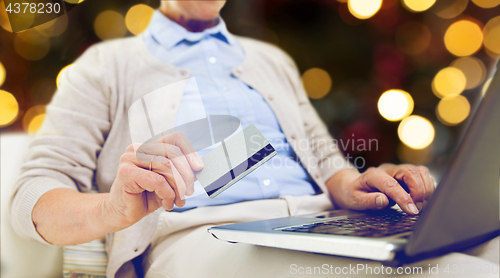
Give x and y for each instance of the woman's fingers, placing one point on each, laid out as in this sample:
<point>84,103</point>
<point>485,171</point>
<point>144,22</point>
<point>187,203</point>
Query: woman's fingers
<point>417,179</point>
<point>381,181</point>
<point>137,180</point>
<point>169,161</point>
<point>179,140</point>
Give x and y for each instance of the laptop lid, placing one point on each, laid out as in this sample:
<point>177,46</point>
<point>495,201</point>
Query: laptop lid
<point>465,206</point>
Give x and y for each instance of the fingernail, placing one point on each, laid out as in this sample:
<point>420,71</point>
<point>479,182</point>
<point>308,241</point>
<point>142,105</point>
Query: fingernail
<point>419,206</point>
<point>198,162</point>
<point>379,201</point>
<point>412,208</point>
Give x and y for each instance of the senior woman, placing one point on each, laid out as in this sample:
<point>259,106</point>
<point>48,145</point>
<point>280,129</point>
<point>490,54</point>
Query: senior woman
<point>150,227</point>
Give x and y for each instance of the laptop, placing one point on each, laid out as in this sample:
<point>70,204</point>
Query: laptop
<point>463,211</point>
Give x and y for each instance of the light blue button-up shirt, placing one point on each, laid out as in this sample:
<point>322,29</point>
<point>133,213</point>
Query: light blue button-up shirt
<point>210,56</point>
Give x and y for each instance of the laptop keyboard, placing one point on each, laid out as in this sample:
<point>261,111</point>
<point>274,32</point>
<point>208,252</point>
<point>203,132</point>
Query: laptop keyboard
<point>363,226</point>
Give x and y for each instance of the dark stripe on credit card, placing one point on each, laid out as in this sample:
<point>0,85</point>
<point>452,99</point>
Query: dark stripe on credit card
<point>242,169</point>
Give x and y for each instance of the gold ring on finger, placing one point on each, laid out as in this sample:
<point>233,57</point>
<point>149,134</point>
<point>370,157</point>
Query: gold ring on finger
<point>151,163</point>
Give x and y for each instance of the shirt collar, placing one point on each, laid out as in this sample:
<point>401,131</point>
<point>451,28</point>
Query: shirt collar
<point>169,34</point>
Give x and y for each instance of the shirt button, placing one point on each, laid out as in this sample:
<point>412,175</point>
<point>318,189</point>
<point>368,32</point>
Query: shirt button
<point>317,176</point>
<point>225,89</point>
<point>212,60</point>
<point>270,97</point>
<point>292,136</point>
<point>184,73</point>
<point>266,182</point>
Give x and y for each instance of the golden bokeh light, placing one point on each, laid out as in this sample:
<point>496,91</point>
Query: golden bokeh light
<point>110,25</point>
<point>33,118</point>
<point>413,156</point>
<point>32,52</point>
<point>3,74</point>
<point>394,105</point>
<point>35,124</point>
<point>450,8</point>
<point>138,17</point>
<point>413,38</point>
<point>22,20</point>
<point>8,108</point>
<point>486,4</point>
<point>453,110</point>
<point>59,75</point>
<point>54,27</point>
<point>463,38</point>
<point>473,69</point>
<point>364,9</point>
<point>32,36</point>
<point>317,82</point>
<point>74,1</point>
<point>416,132</point>
<point>449,82</point>
<point>418,5</point>
<point>486,85</point>
<point>492,35</point>
<point>4,18</point>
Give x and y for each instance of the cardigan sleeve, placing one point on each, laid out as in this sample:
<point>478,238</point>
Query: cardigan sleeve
<point>323,145</point>
<point>63,153</point>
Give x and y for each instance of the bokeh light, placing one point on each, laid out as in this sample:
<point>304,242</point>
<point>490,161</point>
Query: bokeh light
<point>3,74</point>
<point>22,21</point>
<point>364,9</point>
<point>453,110</point>
<point>4,18</point>
<point>416,132</point>
<point>8,108</point>
<point>32,36</point>
<point>394,105</point>
<point>413,38</point>
<point>30,51</point>
<point>492,35</point>
<point>138,17</point>
<point>54,27</point>
<point>449,8</point>
<point>418,5</point>
<point>110,25</point>
<point>463,38</point>
<point>413,156</point>
<point>487,3</point>
<point>473,69</point>
<point>317,82</point>
<point>33,118</point>
<point>486,86</point>
<point>449,82</point>
<point>59,75</point>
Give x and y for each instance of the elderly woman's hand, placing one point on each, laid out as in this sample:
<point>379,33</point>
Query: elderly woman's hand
<point>408,185</point>
<point>159,174</point>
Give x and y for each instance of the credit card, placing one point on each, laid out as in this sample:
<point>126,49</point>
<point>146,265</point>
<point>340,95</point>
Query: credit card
<point>233,159</point>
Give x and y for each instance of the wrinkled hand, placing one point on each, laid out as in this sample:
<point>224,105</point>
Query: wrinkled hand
<point>137,191</point>
<point>373,188</point>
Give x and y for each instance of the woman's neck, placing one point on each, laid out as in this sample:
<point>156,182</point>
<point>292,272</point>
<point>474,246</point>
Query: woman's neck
<point>192,25</point>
